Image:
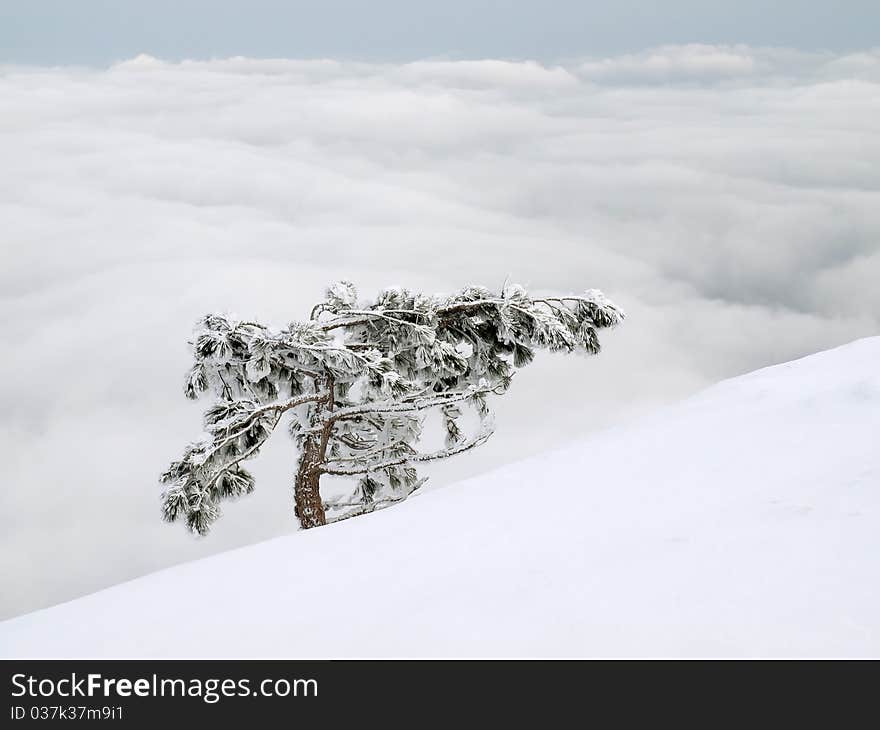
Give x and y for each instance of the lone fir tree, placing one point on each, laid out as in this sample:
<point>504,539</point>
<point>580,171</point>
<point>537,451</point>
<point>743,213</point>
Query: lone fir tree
<point>357,381</point>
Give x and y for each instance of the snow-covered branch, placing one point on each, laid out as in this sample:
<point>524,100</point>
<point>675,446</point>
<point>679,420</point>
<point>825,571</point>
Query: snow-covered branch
<point>374,452</point>
<point>365,316</point>
<point>363,508</point>
<point>408,458</point>
<point>409,406</point>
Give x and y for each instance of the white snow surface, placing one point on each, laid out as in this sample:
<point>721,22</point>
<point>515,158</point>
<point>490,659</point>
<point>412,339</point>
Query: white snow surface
<point>742,522</point>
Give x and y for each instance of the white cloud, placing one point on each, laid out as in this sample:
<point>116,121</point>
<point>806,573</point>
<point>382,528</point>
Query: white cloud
<point>693,61</point>
<point>730,64</point>
<point>726,196</point>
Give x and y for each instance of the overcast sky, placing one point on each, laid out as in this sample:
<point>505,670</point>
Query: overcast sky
<point>102,31</point>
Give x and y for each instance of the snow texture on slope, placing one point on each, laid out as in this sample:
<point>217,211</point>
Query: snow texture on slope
<point>741,522</point>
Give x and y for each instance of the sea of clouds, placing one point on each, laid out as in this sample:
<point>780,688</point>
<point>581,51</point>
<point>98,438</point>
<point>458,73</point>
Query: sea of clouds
<point>727,197</point>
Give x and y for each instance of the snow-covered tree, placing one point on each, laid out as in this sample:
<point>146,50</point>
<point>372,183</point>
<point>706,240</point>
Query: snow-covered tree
<point>356,383</point>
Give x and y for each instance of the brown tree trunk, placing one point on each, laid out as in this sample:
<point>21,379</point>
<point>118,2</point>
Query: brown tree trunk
<point>306,490</point>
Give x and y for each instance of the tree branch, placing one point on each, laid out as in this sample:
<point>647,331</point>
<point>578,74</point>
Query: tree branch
<point>390,406</point>
<point>293,402</point>
<point>280,361</point>
<point>371,315</point>
<point>444,453</point>
<point>241,457</point>
<point>371,453</point>
<point>369,506</point>
<point>278,408</point>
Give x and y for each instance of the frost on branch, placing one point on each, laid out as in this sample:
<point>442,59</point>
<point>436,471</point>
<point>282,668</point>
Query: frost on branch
<point>357,382</point>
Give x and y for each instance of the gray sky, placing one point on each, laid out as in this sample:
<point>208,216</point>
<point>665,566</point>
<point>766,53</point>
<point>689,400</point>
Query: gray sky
<point>98,32</point>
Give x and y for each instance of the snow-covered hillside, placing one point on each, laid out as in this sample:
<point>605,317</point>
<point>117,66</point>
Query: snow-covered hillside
<point>745,521</point>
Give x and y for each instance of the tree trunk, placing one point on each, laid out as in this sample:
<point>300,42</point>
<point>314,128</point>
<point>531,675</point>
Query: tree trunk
<point>306,491</point>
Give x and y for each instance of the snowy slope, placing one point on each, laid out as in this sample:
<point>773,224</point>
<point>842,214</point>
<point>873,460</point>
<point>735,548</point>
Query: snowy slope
<point>745,521</point>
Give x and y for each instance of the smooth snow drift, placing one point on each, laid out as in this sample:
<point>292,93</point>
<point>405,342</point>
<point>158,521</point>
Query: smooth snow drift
<point>745,521</point>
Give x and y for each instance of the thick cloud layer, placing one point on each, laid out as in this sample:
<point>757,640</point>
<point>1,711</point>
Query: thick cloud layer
<point>727,197</point>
